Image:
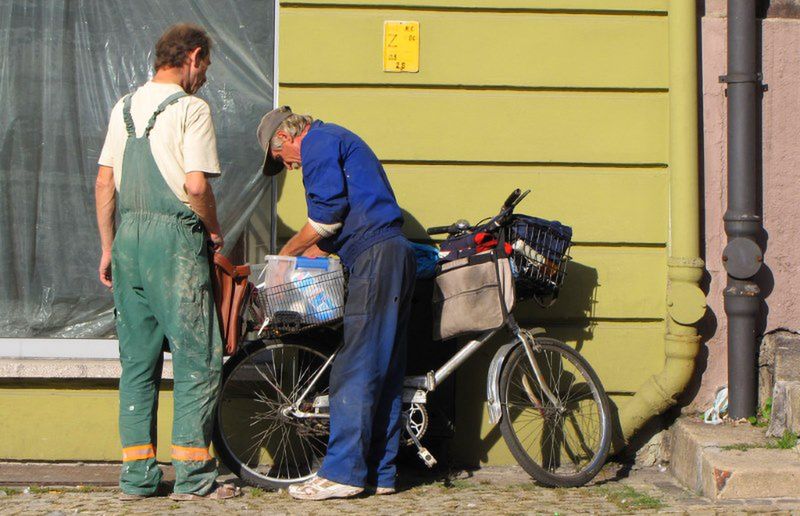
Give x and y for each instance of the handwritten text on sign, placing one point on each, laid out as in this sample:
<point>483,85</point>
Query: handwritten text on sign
<point>401,46</point>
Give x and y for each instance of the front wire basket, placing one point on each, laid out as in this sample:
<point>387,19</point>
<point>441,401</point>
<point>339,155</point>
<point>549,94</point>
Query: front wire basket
<point>299,305</point>
<point>539,258</point>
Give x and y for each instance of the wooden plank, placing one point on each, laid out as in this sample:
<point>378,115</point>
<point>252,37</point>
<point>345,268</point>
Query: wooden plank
<point>601,205</point>
<point>654,6</point>
<point>496,126</point>
<point>538,50</point>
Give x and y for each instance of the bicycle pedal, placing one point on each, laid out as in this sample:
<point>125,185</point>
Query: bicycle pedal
<point>426,457</point>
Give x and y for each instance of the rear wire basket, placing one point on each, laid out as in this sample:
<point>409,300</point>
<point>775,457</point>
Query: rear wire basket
<point>540,255</point>
<point>299,305</point>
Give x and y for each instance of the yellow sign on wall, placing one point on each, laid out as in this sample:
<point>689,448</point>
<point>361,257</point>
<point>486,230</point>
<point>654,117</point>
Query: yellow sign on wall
<point>401,46</point>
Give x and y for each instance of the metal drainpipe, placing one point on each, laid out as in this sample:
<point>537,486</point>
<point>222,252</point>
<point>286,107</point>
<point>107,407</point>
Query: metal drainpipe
<point>685,301</point>
<point>742,256</point>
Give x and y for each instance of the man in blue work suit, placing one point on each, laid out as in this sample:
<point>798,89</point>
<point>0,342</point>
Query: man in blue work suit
<point>352,211</point>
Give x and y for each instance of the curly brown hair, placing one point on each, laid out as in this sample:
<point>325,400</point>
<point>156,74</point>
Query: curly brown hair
<point>177,41</point>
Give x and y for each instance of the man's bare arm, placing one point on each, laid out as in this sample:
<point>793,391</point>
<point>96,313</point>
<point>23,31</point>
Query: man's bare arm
<point>202,201</point>
<point>105,205</point>
<point>303,240</point>
<point>315,252</point>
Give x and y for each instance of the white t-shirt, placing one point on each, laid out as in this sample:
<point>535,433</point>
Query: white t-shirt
<point>182,140</point>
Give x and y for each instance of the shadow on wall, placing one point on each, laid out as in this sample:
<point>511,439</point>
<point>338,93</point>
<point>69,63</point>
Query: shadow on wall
<point>460,431</point>
<point>764,278</point>
<point>414,230</point>
<point>279,182</point>
<point>474,437</point>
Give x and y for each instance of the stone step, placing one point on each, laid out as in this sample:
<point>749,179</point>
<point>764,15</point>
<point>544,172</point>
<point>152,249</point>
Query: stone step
<point>732,461</point>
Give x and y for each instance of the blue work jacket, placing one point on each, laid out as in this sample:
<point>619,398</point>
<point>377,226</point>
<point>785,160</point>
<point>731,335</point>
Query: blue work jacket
<point>345,182</point>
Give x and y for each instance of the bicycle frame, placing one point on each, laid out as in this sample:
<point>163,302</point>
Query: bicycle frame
<point>429,382</point>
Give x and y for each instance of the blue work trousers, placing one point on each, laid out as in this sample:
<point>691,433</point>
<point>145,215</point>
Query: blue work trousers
<point>367,375</point>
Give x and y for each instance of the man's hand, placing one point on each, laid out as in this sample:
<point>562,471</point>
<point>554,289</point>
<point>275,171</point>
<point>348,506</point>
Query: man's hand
<point>104,271</point>
<point>217,241</point>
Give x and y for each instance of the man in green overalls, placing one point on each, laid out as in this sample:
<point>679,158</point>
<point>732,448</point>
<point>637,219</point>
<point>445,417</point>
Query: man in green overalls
<point>159,148</point>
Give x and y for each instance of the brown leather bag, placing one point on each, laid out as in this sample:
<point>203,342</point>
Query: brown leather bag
<point>231,288</point>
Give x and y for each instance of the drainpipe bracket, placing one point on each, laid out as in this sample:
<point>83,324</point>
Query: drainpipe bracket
<point>734,78</point>
<point>742,78</point>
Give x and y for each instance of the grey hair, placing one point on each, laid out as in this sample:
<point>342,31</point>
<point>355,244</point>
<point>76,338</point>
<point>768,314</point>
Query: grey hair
<point>293,125</point>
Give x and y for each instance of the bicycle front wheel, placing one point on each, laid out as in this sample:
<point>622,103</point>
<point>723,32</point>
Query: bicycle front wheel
<point>557,424</point>
<point>257,435</point>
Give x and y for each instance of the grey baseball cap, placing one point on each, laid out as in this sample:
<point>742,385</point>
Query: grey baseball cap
<point>266,130</point>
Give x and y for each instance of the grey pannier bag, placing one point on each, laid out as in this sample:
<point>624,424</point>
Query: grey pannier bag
<point>472,294</point>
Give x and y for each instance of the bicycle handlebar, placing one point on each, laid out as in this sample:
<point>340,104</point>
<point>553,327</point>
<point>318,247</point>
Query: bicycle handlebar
<point>438,230</point>
<point>494,223</point>
<point>512,198</point>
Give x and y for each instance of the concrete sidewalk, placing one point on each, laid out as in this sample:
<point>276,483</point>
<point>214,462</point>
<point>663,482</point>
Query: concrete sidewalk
<point>499,490</point>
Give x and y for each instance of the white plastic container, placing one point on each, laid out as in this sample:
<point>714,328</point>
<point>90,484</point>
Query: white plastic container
<point>312,288</point>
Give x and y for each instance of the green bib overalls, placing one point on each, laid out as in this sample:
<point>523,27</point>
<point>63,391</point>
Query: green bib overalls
<point>162,293</point>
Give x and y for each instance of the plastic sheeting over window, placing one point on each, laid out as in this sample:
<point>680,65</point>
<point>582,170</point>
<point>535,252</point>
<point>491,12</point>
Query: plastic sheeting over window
<point>63,65</point>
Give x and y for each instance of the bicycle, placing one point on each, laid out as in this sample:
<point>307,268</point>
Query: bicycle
<point>553,412</point>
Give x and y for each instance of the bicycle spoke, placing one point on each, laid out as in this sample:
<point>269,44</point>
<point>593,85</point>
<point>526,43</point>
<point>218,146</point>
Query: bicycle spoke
<point>302,442</point>
<point>273,385</point>
<point>561,432</point>
<point>257,429</point>
<point>533,435</point>
<point>299,386</point>
<point>264,436</point>
<point>291,449</point>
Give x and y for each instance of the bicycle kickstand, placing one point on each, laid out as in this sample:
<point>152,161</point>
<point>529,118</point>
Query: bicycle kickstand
<point>422,452</point>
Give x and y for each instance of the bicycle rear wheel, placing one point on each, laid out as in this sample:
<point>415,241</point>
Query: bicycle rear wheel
<point>255,436</point>
<point>563,441</point>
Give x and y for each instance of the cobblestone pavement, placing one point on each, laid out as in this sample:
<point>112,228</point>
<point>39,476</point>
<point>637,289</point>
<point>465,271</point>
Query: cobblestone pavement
<point>491,490</point>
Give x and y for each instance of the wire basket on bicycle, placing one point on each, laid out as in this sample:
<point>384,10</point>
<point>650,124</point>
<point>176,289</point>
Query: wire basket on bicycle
<point>539,249</point>
<point>540,255</point>
<point>297,294</point>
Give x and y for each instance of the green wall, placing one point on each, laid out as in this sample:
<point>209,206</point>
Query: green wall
<point>567,98</point>
<point>570,98</point>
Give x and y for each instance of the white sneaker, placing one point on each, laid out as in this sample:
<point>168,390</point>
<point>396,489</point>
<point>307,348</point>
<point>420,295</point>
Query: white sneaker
<point>374,490</point>
<point>318,488</point>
